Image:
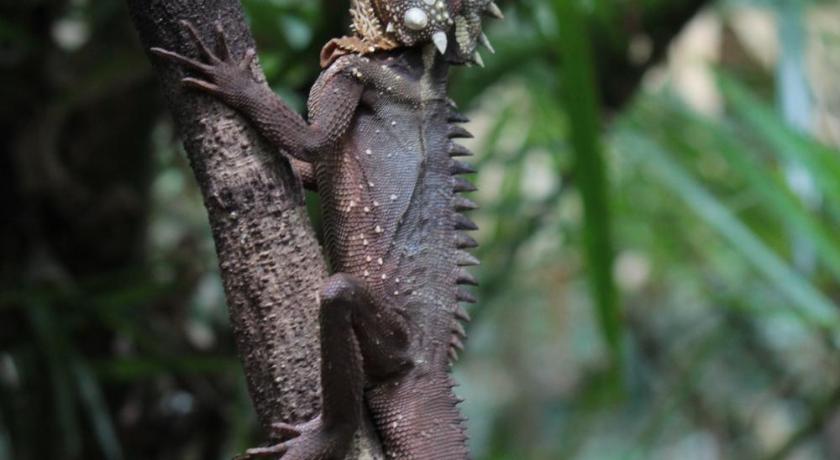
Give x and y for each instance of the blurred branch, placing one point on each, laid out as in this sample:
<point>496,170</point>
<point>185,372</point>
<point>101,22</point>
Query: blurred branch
<point>631,40</point>
<point>271,264</point>
<point>644,37</point>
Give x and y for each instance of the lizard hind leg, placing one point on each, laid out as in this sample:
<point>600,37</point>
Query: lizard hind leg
<point>349,311</point>
<point>361,341</point>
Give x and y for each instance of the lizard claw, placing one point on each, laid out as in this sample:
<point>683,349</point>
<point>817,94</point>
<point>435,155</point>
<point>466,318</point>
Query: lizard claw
<point>199,43</point>
<point>201,84</point>
<point>284,431</point>
<point>310,440</point>
<point>223,76</point>
<point>179,59</point>
<point>262,452</point>
<point>221,43</point>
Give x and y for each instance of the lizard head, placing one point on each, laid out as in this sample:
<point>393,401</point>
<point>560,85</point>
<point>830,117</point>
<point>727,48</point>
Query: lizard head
<point>454,26</point>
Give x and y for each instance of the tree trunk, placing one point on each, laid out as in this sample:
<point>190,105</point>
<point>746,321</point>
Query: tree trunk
<point>271,263</point>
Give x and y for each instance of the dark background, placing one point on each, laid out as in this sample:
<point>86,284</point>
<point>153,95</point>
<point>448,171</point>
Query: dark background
<point>660,191</point>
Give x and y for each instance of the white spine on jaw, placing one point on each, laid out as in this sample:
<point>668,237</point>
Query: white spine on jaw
<point>416,19</point>
<point>440,40</point>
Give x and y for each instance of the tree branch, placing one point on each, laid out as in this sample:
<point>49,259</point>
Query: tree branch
<point>619,73</point>
<point>271,263</point>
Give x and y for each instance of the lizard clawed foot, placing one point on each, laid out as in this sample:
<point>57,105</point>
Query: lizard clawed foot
<point>224,76</point>
<point>309,441</point>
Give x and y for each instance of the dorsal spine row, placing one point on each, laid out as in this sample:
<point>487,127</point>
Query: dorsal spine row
<point>462,223</point>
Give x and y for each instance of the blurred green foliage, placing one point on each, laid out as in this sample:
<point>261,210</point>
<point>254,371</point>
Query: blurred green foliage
<point>660,269</point>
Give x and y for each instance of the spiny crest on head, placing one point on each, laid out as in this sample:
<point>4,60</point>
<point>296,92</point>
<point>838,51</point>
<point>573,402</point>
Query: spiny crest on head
<point>367,26</point>
<point>415,22</point>
<point>468,33</point>
<point>369,35</point>
<point>365,22</point>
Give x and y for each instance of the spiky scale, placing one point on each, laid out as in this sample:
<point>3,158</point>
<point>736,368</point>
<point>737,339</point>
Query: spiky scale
<point>494,10</point>
<point>463,185</point>
<point>457,343</point>
<point>478,60</point>
<point>463,204</point>
<point>457,117</point>
<point>464,241</point>
<point>462,314</point>
<point>453,354</point>
<point>458,329</point>
<point>463,222</point>
<point>459,167</point>
<point>441,42</point>
<point>464,295</point>
<point>465,277</point>
<point>465,259</point>
<point>485,42</point>
<point>458,132</point>
<point>458,150</point>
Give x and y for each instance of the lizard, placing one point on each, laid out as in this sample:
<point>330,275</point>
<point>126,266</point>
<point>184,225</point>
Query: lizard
<point>378,145</point>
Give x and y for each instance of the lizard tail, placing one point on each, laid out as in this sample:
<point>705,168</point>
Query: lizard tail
<point>420,428</point>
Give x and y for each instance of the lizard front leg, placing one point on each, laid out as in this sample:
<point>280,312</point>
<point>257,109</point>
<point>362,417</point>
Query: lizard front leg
<point>233,83</point>
<point>362,340</point>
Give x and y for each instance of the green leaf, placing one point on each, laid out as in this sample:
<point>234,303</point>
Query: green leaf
<point>776,197</point>
<point>53,345</point>
<point>811,305</point>
<point>821,162</point>
<point>96,407</point>
<point>582,104</point>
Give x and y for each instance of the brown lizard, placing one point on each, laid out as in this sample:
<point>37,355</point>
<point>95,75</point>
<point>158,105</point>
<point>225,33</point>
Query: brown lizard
<point>378,147</point>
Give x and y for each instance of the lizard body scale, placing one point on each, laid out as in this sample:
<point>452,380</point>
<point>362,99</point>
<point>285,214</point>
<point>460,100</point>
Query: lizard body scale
<point>379,148</point>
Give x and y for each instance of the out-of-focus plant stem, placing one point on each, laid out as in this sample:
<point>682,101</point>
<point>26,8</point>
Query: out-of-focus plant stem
<point>582,105</point>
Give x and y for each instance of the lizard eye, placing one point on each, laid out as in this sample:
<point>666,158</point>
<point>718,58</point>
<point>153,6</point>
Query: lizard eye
<point>416,19</point>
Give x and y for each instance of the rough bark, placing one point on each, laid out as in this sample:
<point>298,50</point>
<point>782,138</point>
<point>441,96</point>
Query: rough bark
<point>271,263</point>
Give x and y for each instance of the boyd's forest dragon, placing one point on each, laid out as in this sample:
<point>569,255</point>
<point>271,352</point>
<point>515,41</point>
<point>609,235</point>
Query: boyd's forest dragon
<point>378,147</point>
